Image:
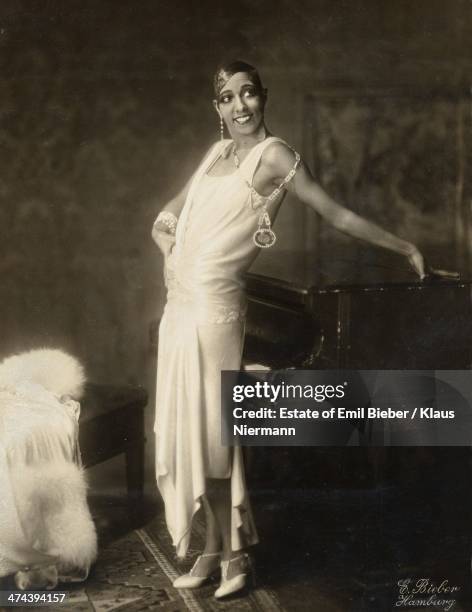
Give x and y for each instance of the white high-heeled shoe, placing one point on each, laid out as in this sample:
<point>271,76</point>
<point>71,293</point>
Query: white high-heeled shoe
<point>190,580</point>
<point>232,585</point>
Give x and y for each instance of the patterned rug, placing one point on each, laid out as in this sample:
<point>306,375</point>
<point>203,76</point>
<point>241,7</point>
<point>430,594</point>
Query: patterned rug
<point>134,573</point>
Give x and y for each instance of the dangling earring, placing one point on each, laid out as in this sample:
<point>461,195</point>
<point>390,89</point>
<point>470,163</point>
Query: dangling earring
<point>222,128</point>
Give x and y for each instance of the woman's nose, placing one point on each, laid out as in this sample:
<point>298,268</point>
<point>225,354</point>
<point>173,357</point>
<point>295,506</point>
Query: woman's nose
<point>240,104</point>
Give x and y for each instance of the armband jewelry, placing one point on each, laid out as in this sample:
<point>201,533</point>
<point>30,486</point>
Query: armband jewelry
<point>168,219</point>
<point>264,237</point>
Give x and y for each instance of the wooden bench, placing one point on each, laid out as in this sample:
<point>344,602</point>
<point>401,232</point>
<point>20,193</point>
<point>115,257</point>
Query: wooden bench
<point>112,422</point>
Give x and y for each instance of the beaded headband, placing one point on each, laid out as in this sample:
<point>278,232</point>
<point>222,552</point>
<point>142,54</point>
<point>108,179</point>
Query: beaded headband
<point>224,74</point>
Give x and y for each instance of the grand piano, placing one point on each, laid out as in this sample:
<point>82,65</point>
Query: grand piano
<point>409,325</point>
<point>415,501</point>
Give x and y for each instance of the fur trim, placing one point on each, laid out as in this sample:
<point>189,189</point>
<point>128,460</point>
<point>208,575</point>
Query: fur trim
<point>53,369</point>
<point>55,515</point>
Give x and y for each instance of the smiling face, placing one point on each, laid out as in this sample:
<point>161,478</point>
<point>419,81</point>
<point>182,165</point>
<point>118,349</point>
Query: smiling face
<point>240,103</point>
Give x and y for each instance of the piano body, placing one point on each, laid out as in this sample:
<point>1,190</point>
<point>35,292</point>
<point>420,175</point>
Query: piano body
<point>402,325</point>
<point>396,325</point>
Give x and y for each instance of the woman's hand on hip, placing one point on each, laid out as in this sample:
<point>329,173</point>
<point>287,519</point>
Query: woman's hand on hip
<point>164,240</point>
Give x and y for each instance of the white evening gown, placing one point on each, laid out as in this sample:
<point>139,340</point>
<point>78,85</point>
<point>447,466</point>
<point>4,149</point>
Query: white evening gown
<point>202,333</point>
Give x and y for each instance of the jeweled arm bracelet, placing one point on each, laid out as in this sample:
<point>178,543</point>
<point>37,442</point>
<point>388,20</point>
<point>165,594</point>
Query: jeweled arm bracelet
<point>168,219</point>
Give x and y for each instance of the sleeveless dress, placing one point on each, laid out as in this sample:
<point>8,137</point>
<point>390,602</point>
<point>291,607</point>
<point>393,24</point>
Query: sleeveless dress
<point>200,334</point>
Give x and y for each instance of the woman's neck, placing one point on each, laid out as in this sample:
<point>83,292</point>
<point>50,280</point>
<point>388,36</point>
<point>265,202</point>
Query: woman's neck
<point>244,143</point>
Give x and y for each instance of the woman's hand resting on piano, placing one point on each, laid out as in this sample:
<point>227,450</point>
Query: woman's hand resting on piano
<point>417,262</point>
<point>424,270</point>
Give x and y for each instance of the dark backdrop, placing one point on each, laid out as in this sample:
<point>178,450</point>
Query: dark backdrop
<point>105,110</point>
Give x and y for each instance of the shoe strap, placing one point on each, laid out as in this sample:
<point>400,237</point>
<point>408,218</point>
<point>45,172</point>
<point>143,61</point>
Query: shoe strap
<point>225,565</point>
<point>241,556</point>
<point>197,560</point>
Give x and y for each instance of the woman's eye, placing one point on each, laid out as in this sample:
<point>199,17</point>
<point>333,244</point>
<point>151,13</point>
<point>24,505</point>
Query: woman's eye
<point>249,93</point>
<point>225,99</point>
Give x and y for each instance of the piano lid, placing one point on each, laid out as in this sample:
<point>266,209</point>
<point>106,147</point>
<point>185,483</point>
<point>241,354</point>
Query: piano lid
<point>360,268</point>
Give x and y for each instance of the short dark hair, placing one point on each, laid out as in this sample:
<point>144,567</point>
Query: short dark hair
<point>226,71</point>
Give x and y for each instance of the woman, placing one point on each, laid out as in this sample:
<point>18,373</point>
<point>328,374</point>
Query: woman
<point>210,234</point>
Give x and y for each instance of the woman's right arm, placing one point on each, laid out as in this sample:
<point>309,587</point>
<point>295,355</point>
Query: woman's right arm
<point>162,234</point>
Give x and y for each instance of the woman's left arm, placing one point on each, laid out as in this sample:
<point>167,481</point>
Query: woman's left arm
<point>309,191</point>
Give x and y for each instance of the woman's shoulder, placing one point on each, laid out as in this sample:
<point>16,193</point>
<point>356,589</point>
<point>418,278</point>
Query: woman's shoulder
<point>218,147</point>
<point>279,155</point>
